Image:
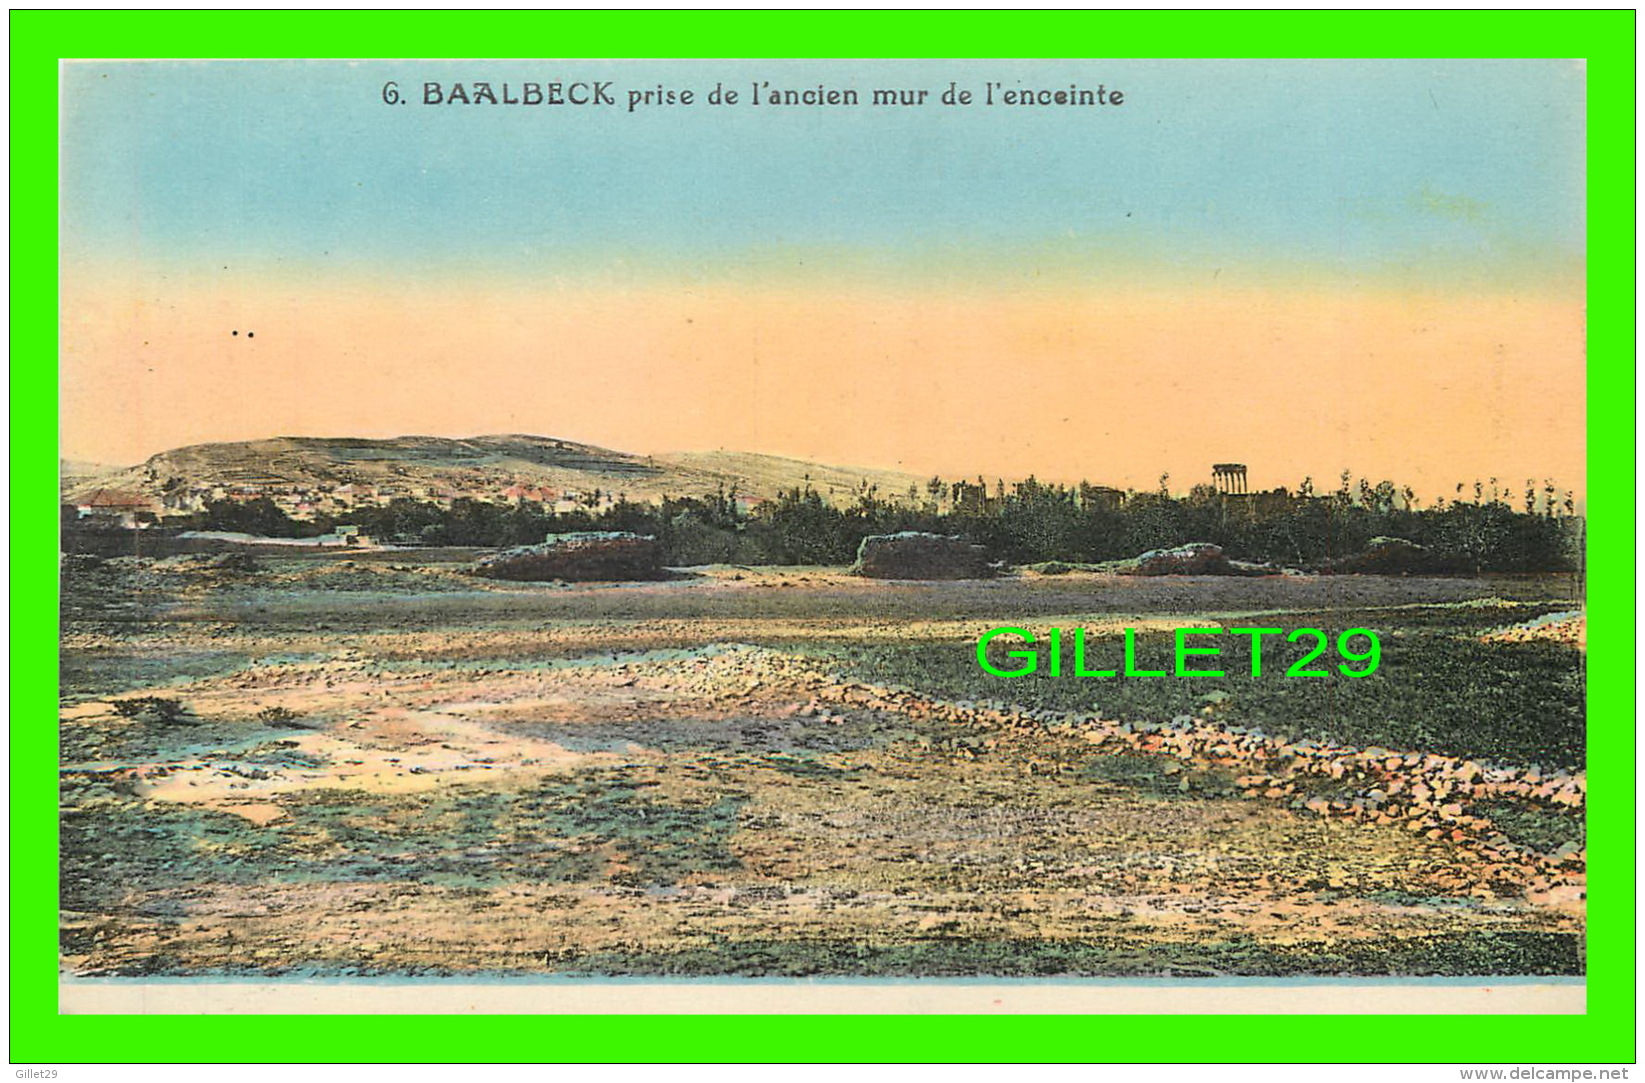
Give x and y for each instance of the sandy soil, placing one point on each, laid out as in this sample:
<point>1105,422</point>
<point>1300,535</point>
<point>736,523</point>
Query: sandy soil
<point>457,779</point>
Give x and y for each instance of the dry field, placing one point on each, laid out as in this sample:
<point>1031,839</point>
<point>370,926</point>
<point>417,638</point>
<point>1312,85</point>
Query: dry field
<point>318,766</point>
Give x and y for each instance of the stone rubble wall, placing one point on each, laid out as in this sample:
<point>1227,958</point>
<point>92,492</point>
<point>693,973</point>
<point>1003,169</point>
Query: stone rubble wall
<point>588,556</point>
<point>1423,793</point>
<point>915,555</point>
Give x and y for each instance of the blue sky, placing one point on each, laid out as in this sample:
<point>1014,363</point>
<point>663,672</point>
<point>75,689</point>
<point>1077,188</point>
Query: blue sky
<point>1440,171</point>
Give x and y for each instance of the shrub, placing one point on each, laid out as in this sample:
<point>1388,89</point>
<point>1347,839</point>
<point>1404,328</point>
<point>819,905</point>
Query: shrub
<point>157,708</point>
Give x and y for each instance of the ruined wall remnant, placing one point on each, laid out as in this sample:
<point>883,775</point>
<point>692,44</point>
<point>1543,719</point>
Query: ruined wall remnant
<point>1396,556</point>
<point>1195,558</point>
<point>580,557</point>
<point>915,555</point>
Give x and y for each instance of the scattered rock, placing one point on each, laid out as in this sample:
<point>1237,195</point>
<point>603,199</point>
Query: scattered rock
<point>1396,556</point>
<point>1194,558</point>
<point>915,555</point>
<point>581,557</point>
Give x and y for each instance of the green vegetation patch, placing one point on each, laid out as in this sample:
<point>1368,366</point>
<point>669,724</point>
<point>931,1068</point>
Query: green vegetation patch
<point>113,844</point>
<point>1537,826</point>
<point>562,831</point>
<point>1158,776</point>
<point>1458,954</point>
<point>172,733</point>
<point>809,768</point>
<point>663,842</point>
<point>1434,691</point>
<point>90,674</point>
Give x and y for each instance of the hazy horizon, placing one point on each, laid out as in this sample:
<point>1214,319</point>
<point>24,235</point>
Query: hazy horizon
<point>1180,485</point>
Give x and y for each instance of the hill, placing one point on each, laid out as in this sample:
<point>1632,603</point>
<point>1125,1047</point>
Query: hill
<point>765,475</point>
<point>76,474</point>
<point>482,467</point>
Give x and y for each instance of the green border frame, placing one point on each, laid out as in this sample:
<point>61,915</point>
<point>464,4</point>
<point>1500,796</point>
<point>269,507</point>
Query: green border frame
<point>1605,38</point>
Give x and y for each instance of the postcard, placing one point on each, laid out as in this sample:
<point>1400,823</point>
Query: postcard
<point>813,536</point>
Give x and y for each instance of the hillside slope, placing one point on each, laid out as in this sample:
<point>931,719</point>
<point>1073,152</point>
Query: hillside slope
<point>481,466</point>
<point>765,475</point>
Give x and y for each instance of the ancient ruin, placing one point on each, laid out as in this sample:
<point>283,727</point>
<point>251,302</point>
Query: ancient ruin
<point>579,557</point>
<point>1229,478</point>
<point>915,555</point>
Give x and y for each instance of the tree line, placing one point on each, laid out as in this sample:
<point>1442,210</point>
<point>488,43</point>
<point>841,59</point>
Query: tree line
<point>1024,523</point>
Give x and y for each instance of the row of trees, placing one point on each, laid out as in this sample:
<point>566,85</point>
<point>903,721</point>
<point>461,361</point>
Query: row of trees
<point>1025,523</point>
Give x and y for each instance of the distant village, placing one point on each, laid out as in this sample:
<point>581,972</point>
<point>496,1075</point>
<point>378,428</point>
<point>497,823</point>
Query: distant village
<point>306,502</point>
<point>1481,529</point>
<point>107,506</point>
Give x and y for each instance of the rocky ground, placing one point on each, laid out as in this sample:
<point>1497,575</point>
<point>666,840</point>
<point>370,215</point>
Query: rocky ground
<point>1568,628</point>
<point>387,767</point>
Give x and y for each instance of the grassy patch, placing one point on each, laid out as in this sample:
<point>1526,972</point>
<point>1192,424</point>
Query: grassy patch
<point>563,831</point>
<point>1536,826</point>
<point>1481,953</point>
<point>1435,690</point>
<point>146,738</point>
<point>90,674</point>
<point>112,844</point>
<point>808,768</point>
<point>662,842</point>
<point>1158,775</point>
